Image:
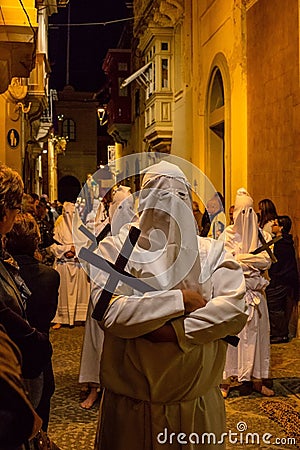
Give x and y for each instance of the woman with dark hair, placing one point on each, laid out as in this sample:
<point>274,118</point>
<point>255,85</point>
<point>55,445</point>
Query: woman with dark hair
<point>266,214</point>
<point>43,281</point>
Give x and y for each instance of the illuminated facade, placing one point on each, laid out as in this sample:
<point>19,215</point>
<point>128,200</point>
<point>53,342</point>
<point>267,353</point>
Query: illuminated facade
<point>77,123</point>
<point>24,89</point>
<point>214,83</point>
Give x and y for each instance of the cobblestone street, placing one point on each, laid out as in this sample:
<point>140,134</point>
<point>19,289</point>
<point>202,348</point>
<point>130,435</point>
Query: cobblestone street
<point>74,428</point>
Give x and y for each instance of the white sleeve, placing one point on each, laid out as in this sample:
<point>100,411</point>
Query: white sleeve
<point>130,315</point>
<point>224,314</point>
<point>133,316</point>
<point>59,250</point>
<point>261,261</point>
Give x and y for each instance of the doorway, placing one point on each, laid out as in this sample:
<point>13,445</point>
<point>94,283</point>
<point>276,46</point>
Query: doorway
<point>216,131</point>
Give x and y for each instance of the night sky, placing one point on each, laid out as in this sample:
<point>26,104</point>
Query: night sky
<point>88,44</point>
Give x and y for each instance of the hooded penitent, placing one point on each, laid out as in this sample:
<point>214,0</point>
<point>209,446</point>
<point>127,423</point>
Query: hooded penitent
<point>121,209</point>
<point>63,231</point>
<point>168,229</point>
<point>245,225</point>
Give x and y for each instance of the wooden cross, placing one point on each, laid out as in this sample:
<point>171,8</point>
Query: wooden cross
<point>266,246</point>
<point>117,273</point>
<point>95,239</point>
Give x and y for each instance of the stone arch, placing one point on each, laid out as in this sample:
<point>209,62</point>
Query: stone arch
<point>217,129</point>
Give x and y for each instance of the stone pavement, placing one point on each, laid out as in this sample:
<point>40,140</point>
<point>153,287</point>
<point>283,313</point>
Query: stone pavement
<point>73,428</point>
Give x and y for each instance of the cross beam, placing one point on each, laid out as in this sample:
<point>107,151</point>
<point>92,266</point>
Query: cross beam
<point>266,246</point>
<point>117,273</point>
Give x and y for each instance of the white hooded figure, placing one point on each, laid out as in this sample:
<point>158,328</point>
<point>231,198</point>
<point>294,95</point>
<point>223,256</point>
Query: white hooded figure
<point>163,355</point>
<point>251,359</point>
<point>121,209</point>
<point>90,222</point>
<point>74,289</point>
<point>121,212</point>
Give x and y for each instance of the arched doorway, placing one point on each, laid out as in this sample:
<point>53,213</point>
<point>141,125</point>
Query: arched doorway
<point>216,131</point>
<point>68,189</point>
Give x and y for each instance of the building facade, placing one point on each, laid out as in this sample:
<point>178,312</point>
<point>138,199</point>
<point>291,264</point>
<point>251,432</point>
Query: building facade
<point>25,120</point>
<point>77,119</point>
<point>216,82</point>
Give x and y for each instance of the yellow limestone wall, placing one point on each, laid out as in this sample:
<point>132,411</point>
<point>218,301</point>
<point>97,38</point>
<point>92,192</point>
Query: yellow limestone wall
<point>218,33</point>
<point>12,13</point>
<point>14,27</point>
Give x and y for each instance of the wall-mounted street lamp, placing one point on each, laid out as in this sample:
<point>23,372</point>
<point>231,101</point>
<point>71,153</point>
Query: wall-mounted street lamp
<point>102,116</point>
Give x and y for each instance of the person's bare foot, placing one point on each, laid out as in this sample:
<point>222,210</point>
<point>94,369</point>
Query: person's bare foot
<point>89,402</point>
<point>84,392</point>
<point>225,389</point>
<point>258,386</point>
<point>57,326</point>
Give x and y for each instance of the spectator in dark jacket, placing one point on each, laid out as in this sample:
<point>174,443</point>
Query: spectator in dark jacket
<point>43,282</point>
<point>34,346</point>
<point>283,290</point>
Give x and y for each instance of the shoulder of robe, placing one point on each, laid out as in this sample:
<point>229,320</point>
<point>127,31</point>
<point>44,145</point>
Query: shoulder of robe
<point>211,249</point>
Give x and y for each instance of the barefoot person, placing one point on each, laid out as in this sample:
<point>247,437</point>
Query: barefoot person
<point>121,211</point>
<point>249,361</point>
<point>74,289</point>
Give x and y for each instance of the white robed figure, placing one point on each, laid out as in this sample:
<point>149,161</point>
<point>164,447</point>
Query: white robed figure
<point>251,359</point>
<point>74,289</point>
<point>121,211</point>
<point>163,353</point>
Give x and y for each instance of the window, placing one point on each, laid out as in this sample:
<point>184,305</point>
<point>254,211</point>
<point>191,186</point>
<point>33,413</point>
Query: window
<point>165,46</point>
<point>164,73</point>
<point>217,91</point>
<point>122,67</point>
<point>151,77</point>
<point>137,103</point>
<point>69,129</point>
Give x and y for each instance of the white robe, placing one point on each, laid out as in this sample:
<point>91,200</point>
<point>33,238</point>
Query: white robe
<point>91,350</point>
<point>74,288</point>
<point>120,212</point>
<point>153,388</point>
<point>252,356</point>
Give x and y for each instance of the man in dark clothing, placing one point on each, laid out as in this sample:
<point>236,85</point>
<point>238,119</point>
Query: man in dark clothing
<point>283,290</point>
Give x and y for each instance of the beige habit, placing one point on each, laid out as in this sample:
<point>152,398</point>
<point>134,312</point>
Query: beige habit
<point>155,391</point>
